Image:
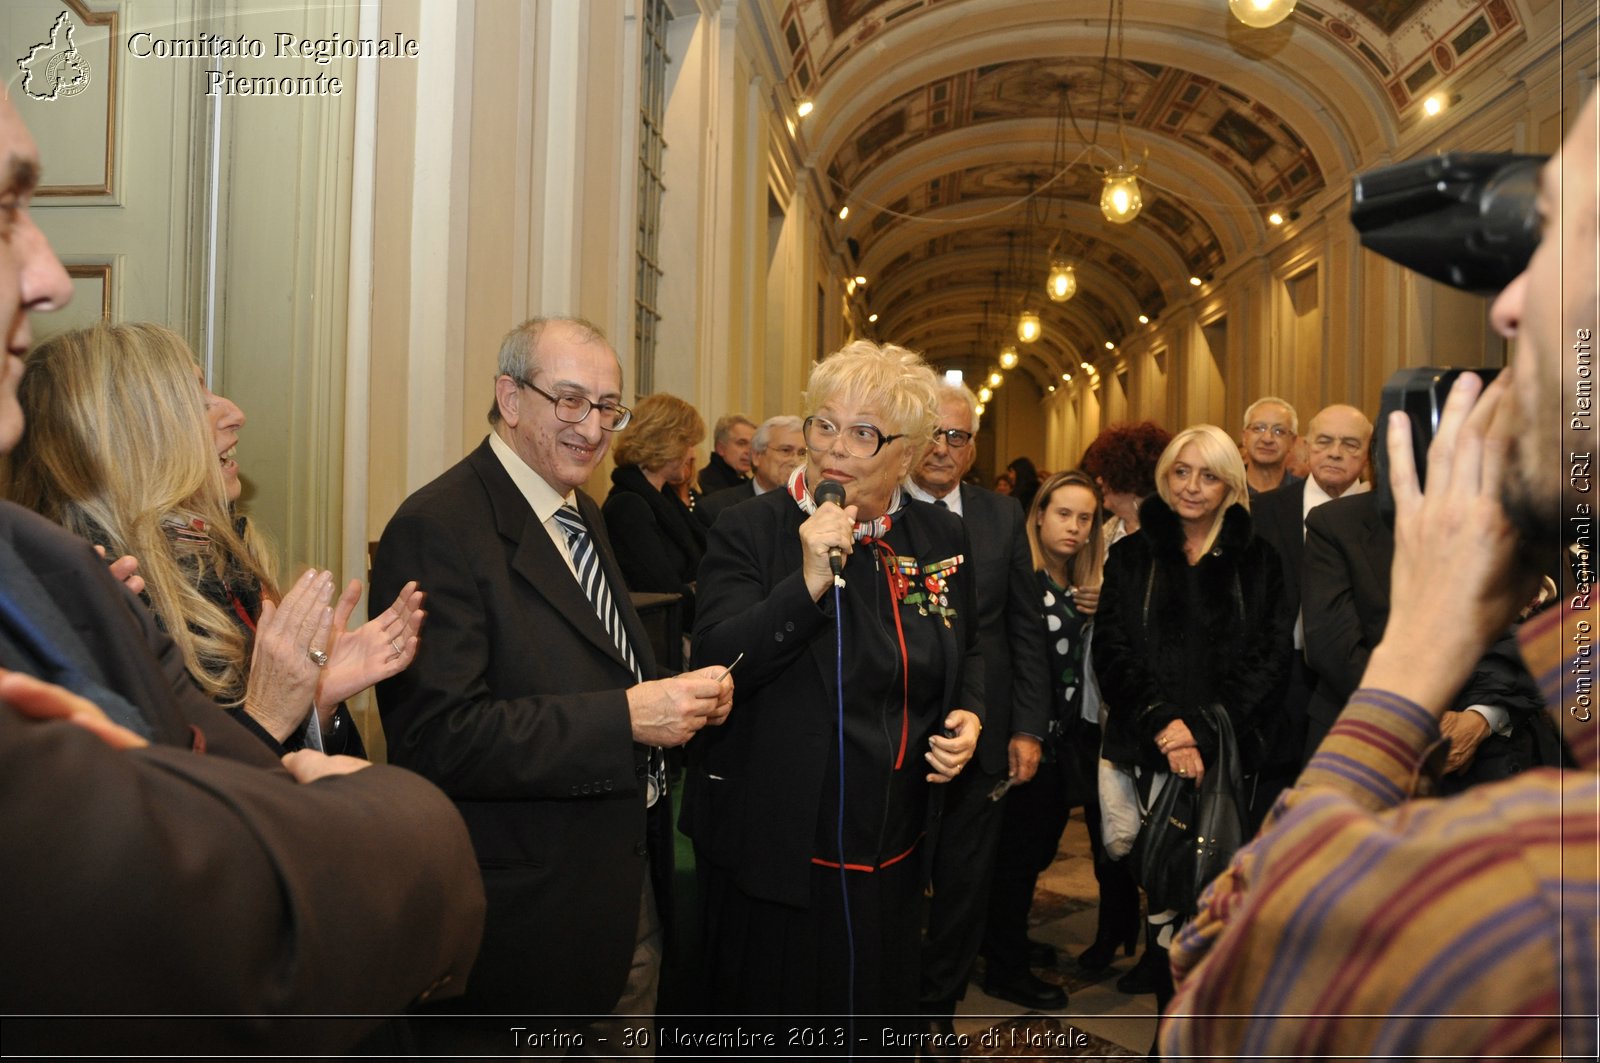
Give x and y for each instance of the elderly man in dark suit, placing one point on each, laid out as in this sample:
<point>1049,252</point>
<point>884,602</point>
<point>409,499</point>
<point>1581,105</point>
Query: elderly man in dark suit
<point>533,701</point>
<point>159,861</point>
<point>1017,695</point>
<point>1339,436</point>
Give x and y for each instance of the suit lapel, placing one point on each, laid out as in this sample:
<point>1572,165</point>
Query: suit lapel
<point>541,565</point>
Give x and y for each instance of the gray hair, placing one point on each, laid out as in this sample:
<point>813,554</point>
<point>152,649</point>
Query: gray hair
<point>1272,400</point>
<point>784,421</point>
<point>964,393</point>
<point>519,350</point>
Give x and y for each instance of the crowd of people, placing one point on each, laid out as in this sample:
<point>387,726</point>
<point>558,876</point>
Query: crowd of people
<point>900,684</point>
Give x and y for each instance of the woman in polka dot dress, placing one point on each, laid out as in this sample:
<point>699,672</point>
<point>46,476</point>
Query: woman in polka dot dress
<point>1065,531</point>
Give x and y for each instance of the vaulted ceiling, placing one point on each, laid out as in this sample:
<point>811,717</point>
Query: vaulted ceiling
<point>969,137</point>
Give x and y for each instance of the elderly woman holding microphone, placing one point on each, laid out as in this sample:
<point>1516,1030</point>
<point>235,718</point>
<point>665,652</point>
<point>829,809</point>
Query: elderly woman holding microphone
<point>847,606</point>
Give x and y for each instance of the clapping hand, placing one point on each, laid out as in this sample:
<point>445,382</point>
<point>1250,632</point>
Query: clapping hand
<point>290,638</point>
<point>378,649</point>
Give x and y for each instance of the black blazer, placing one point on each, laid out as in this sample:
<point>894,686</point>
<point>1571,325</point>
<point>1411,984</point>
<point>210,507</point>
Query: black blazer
<point>657,540</point>
<point>1349,552</point>
<point>712,506</point>
<point>1016,677</point>
<point>759,820</point>
<point>718,475</point>
<point>195,875</point>
<point>516,705</point>
<point>1276,516</point>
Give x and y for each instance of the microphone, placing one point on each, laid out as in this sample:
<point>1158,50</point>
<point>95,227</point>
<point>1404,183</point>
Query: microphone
<point>831,491</point>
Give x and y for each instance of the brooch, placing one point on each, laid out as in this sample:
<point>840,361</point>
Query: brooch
<point>926,586</point>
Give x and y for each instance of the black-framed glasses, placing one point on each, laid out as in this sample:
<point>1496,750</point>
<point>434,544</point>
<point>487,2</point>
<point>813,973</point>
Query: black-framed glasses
<point>1261,428</point>
<point>954,438</point>
<point>860,440</point>
<point>574,408</point>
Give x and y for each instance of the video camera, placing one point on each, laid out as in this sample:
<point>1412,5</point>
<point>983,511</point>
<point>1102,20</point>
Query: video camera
<point>1463,219</point>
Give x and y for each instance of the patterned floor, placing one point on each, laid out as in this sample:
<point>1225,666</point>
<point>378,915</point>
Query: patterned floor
<point>1098,1022</point>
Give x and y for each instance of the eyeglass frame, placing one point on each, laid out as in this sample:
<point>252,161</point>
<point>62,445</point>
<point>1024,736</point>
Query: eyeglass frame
<point>948,434</point>
<point>624,413</point>
<point>883,439</point>
<point>1279,431</point>
<point>1349,444</point>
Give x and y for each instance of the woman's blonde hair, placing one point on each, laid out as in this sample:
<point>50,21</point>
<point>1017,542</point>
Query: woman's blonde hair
<point>117,448</point>
<point>662,428</point>
<point>1220,454</point>
<point>1087,564</point>
<point>892,378</point>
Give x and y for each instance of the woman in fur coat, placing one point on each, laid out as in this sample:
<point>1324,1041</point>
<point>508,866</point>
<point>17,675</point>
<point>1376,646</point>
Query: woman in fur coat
<point>1191,615</point>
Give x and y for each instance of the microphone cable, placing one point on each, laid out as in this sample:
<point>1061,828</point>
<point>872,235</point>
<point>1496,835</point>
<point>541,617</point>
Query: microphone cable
<point>844,874</point>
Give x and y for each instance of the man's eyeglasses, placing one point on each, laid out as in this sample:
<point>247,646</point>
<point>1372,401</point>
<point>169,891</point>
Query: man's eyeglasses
<point>1348,444</point>
<point>860,440</point>
<point>954,438</point>
<point>785,452</point>
<point>1261,428</point>
<point>573,409</point>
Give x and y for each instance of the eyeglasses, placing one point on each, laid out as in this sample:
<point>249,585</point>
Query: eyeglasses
<point>573,409</point>
<point>1261,428</point>
<point>954,438</point>
<point>860,440</point>
<point>785,452</point>
<point>1348,444</point>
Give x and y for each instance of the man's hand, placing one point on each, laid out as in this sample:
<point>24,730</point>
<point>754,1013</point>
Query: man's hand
<point>124,569</point>
<point>46,701</point>
<point>948,755</point>
<point>1023,753</point>
<point>1456,582</point>
<point>668,712</point>
<point>1466,731</point>
<point>307,765</point>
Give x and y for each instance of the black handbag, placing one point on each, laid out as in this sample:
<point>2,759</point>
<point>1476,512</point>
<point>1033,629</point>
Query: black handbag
<point>1189,834</point>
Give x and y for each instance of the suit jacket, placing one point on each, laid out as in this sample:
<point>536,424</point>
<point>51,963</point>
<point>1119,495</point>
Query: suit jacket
<point>718,475</point>
<point>712,506</point>
<point>1348,554</point>
<point>1016,681</point>
<point>758,816</point>
<point>195,876</point>
<point>516,705</point>
<point>1277,516</point>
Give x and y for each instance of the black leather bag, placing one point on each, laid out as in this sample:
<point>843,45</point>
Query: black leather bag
<point>1189,834</point>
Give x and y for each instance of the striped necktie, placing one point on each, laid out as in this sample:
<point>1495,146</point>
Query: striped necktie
<point>586,560</point>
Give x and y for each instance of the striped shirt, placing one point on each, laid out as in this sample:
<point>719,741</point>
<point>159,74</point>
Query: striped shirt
<point>1367,922</point>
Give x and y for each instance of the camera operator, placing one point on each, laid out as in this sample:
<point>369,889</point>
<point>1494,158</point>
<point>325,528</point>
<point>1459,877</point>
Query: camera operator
<point>1362,923</point>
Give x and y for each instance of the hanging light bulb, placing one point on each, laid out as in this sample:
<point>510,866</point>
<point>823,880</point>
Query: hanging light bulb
<point>984,395</point>
<point>1008,356</point>
<point>1260,14</point>
<point>995,380</point>
<point>1028,328</point>
<point>1062,283</point>
<point>1119,199</point>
